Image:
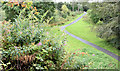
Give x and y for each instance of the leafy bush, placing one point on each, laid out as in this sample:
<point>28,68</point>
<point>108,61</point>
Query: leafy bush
<point>26,46</point>
<point>65,11</point>
<point>59,5</point>
<point>12,9</point>
<point>108,13</point>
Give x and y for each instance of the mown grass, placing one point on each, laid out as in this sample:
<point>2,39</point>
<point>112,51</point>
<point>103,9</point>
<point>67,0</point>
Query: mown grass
<point>83,30</point>
<point>100,60</point>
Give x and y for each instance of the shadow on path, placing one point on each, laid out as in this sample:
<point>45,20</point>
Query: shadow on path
<point>89,43</point>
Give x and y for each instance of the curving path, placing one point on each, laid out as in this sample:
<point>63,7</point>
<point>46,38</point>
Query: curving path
<point>89,43</point>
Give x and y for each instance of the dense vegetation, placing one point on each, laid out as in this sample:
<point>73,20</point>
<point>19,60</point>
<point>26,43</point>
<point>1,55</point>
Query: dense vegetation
<point>26,42</point>
<point>30,43</point>
<point>106,16</point>
<point>12,9</point>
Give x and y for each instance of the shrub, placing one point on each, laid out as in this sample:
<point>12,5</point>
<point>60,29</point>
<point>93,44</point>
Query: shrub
<point>26,46</point>
<point>59,5</point>
<point>12,9</point>
<point>65,11</point>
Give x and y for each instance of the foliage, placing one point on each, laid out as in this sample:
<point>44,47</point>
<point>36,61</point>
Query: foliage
<point>59,5</point>
<point>69,6</point>
<point>85,27</point>
<point>93,59</point>
<point>12,9</point>
<point>65,11</point>
<point>27,46</point>
<point>99,22</point>
<point>22,31</point>
<point>108,13</point>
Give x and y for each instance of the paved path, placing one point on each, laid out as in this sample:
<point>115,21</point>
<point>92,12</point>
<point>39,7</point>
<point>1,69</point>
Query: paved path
<point>89,43</point>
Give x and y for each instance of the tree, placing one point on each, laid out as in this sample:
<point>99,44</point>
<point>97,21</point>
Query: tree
<point>108,13</point>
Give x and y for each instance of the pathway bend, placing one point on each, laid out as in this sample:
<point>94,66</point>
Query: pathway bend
<point>89,43</point>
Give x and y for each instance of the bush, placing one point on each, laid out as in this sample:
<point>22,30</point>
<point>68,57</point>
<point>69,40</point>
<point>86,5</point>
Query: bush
<point>59,5</point>
<point>65,11</point>
<point>12,9</point>
<point>26,46</point>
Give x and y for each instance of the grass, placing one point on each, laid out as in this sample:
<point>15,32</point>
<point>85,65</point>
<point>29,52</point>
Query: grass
<point>99,61</point>
<point>83,30</point>
<point>75,46</point>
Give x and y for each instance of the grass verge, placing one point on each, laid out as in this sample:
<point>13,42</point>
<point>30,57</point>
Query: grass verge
<point>92,58</point>
<point>82,29</point>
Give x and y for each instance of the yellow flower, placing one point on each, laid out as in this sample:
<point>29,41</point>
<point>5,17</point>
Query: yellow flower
<point>48,40</point>
<point>33,43</point>
<point>23,2</point>
<point>44,42</point>
<point>12,5</point>
<point>37,13</point>
<point>10,26</point>
<point>35,9</point>
<point>23,5</point>
<point>2,2</point>
<point>18,5</point>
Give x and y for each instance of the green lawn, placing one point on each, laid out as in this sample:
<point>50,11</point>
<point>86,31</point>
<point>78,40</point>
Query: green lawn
<point>82,29</point>
<point>99,61</point>
<point>74,46</point>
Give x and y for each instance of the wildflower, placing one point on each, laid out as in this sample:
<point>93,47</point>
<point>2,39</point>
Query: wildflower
<point>39,44</point>
<point>65,41</point>
<point>15,47</point>
<point>48,40</point>
<point>20,32</point>
<point>2,1</point>
<point>47,33</point>
<point>83,53</point>
<point>32,43</point>
<point>44,42</point>
<point>73,53</point>
<point>23,2</point>
<point>93,54</point>
<point>64,44</point>
<point>8,30</point>
<point>15,3</point>
<point>31,7</point>
<point>18,4</point>
<point>86,53</point>
<point>63,34</point>
<point>33,27</point>
<point>36,13</point>
<point>35,9</point>
<point>23,5</point>
<point>12,5</point>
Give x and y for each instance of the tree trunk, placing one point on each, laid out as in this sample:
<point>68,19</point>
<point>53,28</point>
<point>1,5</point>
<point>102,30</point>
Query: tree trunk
<point>73,6</point>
